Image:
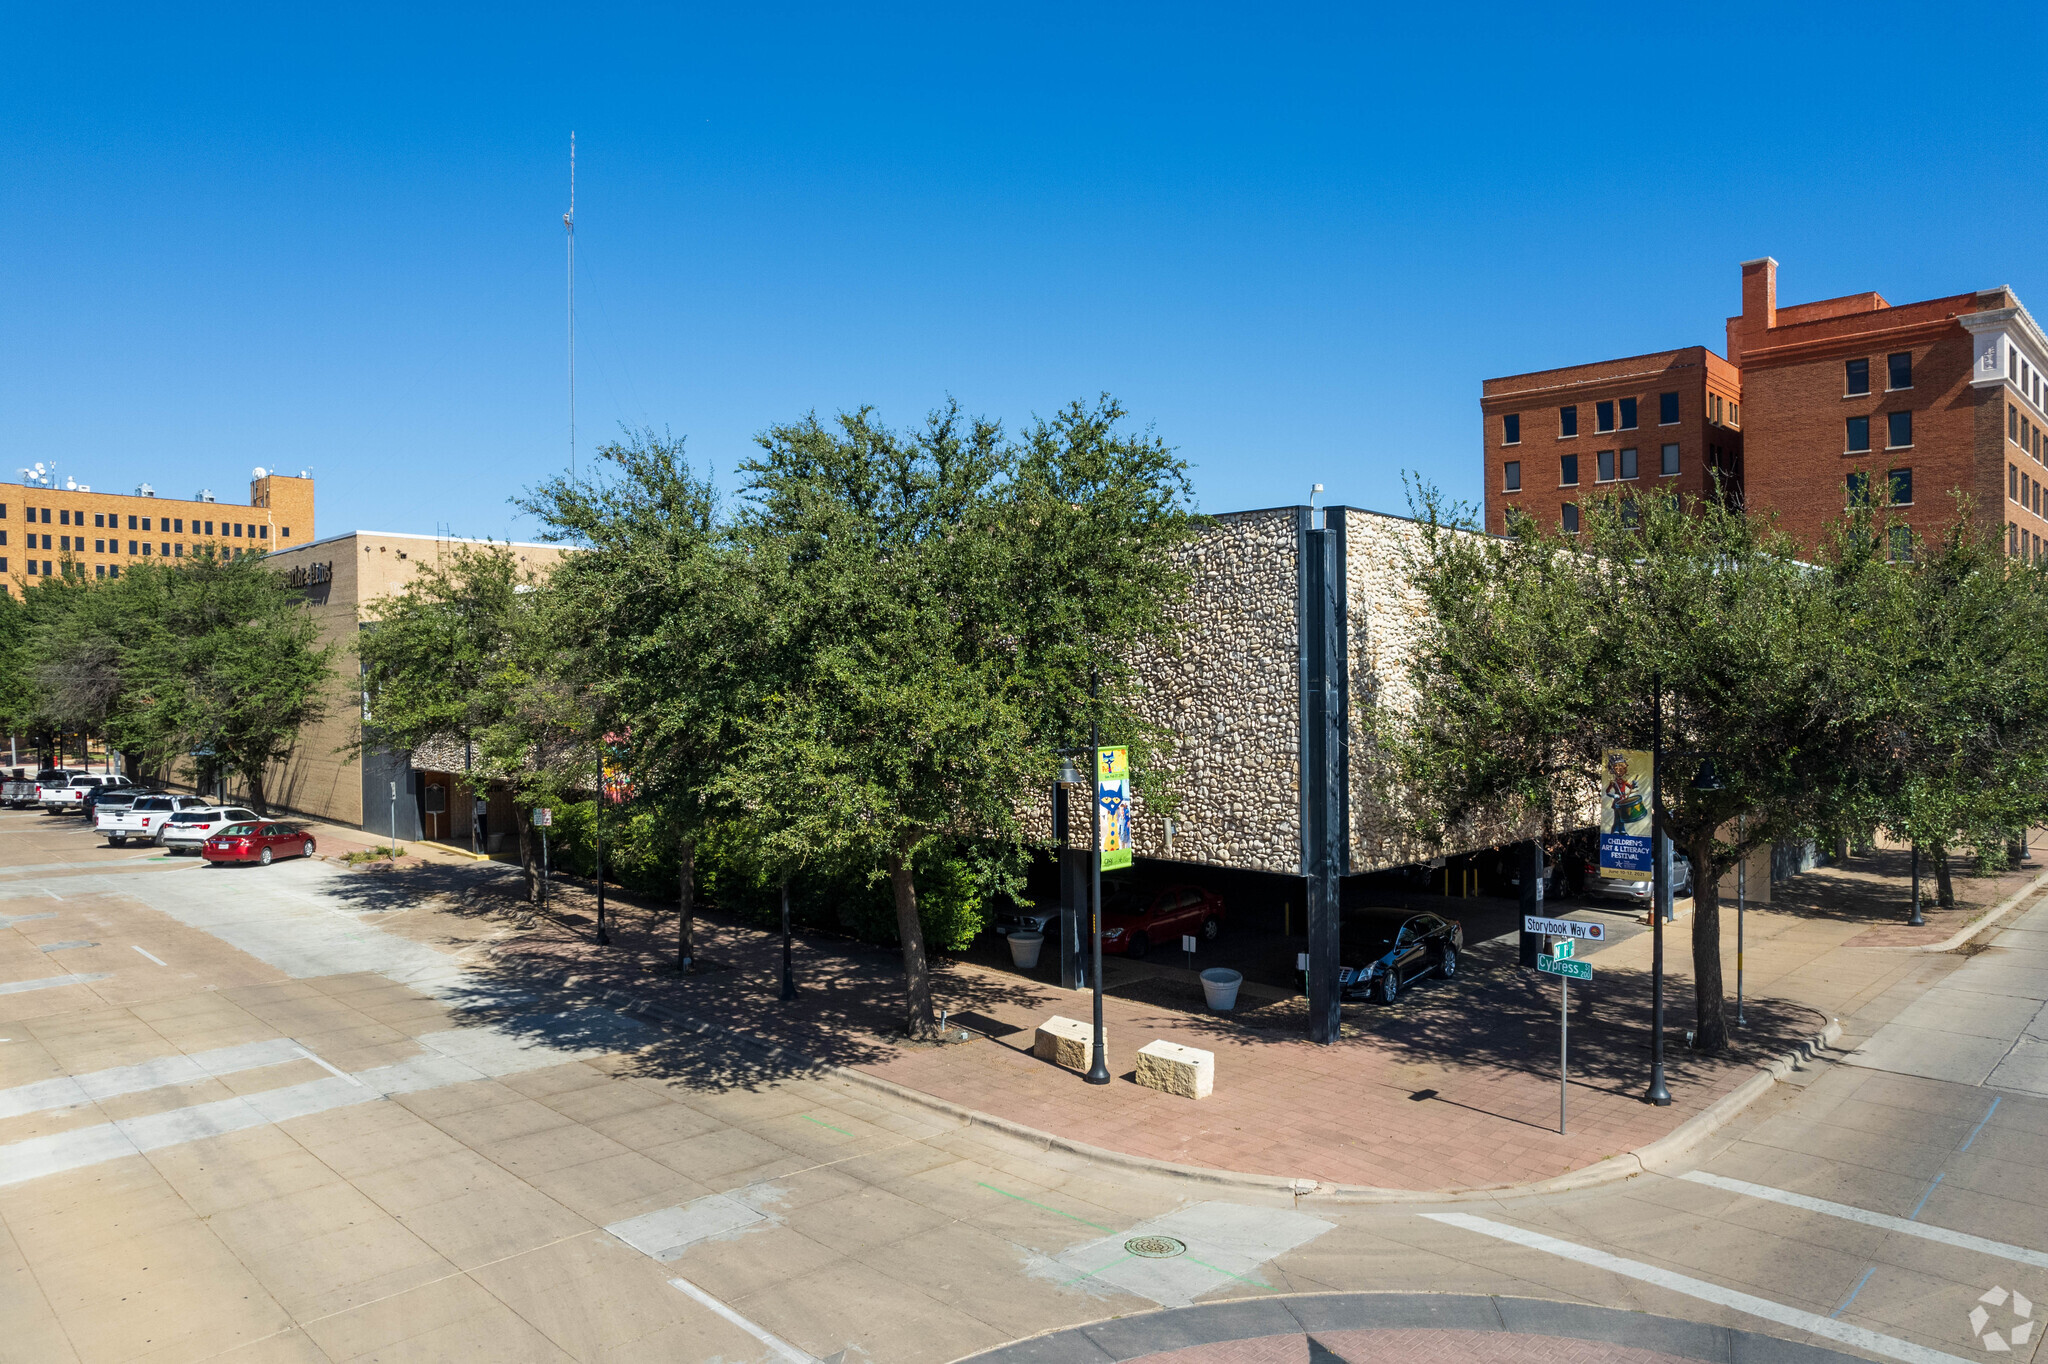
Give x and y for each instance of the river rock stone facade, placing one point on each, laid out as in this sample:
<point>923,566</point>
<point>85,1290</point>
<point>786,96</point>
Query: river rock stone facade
<point>1231,696</point>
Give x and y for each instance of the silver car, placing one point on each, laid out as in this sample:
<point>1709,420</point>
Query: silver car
<point>187,829</point>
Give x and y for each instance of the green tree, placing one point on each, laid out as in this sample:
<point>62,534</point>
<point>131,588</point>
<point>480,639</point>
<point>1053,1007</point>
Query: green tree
<point>654,618</point>
<point>220,656</point>
<point>930,606</point>
<point>1963,758</point>
<point>468,653</point>
<point>1543,650</point>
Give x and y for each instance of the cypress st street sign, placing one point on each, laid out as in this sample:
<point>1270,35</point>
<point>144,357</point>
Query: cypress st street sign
<point>1573,970</point>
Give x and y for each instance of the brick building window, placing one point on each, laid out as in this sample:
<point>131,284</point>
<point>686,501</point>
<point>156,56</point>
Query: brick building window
<point>1857,379</point>
<point>131,544</point>
<point>1859,433</point>
<point>1512,476</point>
<point>2012,422</point>
<point>1670,462</point>
<point>1899,370</point>
<point>1628,414</point>
<point>2026,435</point>
<point>99,546</point>
<point>1510,432</point>
<point>1571,522</point>
<point>99,570</point>
<point>1568,471</point>
<point>2012,482</point>
<point>1628,463</point>
<point>1859,489</point>
<point>1734,413</point>
<point>1603,415</point>
<point>131,523</point>
<point>1902,544</point>
<point>99,519</point>
<point>1567,421</point>
<point>1667,409</point>
<point>1902,487</point>
<point>1898,429</point>
<point>2012,539</point>
<point>1604,467</point>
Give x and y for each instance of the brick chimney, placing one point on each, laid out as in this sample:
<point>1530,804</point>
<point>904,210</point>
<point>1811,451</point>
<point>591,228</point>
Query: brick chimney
<point>1759,306</point>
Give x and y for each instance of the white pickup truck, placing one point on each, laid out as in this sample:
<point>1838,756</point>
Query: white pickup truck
<point>143,818</point>
<point>62,798</point>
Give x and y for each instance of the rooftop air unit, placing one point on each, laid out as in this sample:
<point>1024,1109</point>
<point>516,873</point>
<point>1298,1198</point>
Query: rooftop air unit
<point>144,490</point>
<point>203,495</point>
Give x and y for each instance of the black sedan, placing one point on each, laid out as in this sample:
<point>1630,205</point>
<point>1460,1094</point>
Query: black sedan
<point>1381,950</point>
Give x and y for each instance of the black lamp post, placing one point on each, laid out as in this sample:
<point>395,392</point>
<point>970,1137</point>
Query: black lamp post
<point>1917,921</point>
<point>1098,1067</point>
<point>604,937</point>
<point>788,975</point>
<point>1660,897</point>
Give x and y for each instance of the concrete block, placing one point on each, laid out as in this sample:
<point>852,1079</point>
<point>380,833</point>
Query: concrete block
<point>1066,1042</point>
<point>1187,1071</point>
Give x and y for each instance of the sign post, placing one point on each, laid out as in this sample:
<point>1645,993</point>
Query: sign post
<point>542,818</point>
<point>1559,962</point>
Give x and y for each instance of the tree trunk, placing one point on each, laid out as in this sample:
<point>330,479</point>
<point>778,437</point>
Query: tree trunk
<point>1710,1019</point>
<point>1945,890</point>
<point>528,863</point>
<point>918,1018</point>
<point>256,793</point>
<point>686,902</point>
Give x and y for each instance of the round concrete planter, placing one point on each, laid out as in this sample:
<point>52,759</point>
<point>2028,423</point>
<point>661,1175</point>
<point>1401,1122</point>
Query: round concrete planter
<point>1024,948</point>
<point>1219,986</point>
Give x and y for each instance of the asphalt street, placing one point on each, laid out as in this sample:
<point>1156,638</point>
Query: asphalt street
<point>248,1114</point>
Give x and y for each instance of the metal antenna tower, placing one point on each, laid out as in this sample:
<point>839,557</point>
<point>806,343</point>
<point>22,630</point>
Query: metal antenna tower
<point>569,222</point>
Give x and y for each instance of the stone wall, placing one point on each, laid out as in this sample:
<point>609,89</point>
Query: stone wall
<point>1231,698</point>
<point>1388,616</point>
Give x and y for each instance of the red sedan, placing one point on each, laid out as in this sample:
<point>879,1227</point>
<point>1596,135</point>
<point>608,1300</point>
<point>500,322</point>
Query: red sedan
<point>257,843</point>
<point>1134,925</point>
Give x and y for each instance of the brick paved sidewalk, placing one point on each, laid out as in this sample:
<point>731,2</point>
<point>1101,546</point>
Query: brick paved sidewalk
<point>1455,1086</point>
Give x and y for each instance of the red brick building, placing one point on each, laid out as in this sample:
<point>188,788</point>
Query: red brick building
<point>1816,404</point>
<point>1672,420</point>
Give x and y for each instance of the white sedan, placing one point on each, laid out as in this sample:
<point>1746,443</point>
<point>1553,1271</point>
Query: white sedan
<point>187,829</point>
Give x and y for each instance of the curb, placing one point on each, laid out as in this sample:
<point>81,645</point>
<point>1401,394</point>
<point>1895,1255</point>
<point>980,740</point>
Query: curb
<point>1976,926</point>
<point>1665,1149</point>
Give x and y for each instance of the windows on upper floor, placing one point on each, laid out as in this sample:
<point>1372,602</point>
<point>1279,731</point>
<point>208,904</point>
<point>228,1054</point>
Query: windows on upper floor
<point>1603,415</point>
<point>1628,463</point>
<point>1510,431</point>
<point>1899,370</point>
<point>1667,409</point>
<point>1567,421</point>
<point>1603,468</point>
<point>1669,464</point>
<point>1856,380</point>
<point>1898,430</point>
<point>1568,471</point>
<point>1511,476</point>
<point>1858,434</point>
<point>1570,520</point>
<point>1901,487</point>
<point>1628,414</point>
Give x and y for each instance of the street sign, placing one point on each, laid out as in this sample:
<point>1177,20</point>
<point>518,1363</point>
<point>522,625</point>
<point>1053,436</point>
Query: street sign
<point>1564,928</point>
<point>1562,949</point>
<point>1574,970</point>
<point>543,816</point>
<point>1187,942</point>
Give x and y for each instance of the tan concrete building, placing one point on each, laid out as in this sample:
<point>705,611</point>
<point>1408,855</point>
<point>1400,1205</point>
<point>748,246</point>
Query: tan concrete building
<point>74,530</point>
<point>341,577</point>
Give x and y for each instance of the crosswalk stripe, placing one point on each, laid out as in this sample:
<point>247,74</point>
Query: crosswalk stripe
<point>1848,1213</point>
<point>1871,1342</point>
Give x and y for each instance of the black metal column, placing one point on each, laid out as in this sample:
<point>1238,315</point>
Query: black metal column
<point>1533,875</point>
<point>1073,892</point>
<point>1324,761</point>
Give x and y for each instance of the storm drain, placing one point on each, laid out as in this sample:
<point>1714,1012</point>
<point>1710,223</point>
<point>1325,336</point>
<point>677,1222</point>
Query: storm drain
<point>1156,1247</point>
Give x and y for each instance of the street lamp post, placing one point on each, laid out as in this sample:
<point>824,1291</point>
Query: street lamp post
<point>604,937</point>
<point>1660,896</point>
<point>1917,921</point>
<point>788,975</point>
<point>1098,1067</point>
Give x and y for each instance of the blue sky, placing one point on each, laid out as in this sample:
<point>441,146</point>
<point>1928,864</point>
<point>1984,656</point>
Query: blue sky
<point>1292,240</point>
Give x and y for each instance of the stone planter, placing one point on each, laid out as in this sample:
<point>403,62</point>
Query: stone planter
<point>1025,946</point>
<point>1219,987</point>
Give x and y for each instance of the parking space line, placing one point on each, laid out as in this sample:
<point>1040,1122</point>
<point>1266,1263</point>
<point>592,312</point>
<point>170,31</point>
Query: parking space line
<point>1854,1291</point>
<point>151,955</point>
<point>1962,1240</point>
<point>1980,1123</point>
<point>331,1070</point>
<point>840,1130</point>
<point>782,1348</point>
<point>1861,1338</point>
<point>1036,1204</point>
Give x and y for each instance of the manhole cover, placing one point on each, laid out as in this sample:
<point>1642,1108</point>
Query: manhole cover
<point>1156,1247</point>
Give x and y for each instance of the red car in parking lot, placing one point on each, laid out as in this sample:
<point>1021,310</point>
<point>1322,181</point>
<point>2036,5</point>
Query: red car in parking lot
<point>257,843</point>
<point>1133,924</point>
